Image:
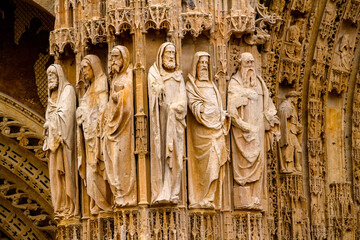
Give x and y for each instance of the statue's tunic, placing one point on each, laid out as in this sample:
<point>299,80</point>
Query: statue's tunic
<point>167,133</point>
<point>250,106</point>
<point>117,139</point>
<point>290,156</point>
<point>91,165</point>
<point>206,142</point>
<point>60,142</point>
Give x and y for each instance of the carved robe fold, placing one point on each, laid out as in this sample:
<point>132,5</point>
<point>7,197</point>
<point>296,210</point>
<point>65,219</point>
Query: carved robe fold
<point>206,143</point>
<point>290,156</point>
<point>91,165</point>
<point>117,139</point>
<point>252,108</point>
<point>60,143</point>
<point>167,131</point>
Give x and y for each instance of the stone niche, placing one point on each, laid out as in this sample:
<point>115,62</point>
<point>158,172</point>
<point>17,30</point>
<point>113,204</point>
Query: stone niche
<point>184,120</point>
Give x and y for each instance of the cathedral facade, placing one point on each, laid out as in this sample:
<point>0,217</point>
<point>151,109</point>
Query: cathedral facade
<point>186,119</point>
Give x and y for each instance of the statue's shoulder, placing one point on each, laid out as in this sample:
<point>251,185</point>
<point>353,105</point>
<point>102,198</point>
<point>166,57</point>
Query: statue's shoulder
<point>69,90</point>
<point>153,69</point>
<point>285,105</point>
<point>190,82</point>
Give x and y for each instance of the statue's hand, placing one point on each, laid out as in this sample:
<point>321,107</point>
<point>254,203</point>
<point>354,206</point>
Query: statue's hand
<point>79,116</point>
<point>245,127</point>
<point>158,88</point>
<point>239,123</point>
<point>119,87</point>
<point>178,107</point>
<point>115,97</point>
<point>251,94</point>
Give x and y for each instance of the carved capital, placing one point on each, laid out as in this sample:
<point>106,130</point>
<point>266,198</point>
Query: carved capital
<point>93,31</point>
<point>59,38</point>
<point>338,80</point>
<point>157,17</point>
<point>239,22</point>
<point>120,20</point>
<point>352,12</point>
<point>195,23</point>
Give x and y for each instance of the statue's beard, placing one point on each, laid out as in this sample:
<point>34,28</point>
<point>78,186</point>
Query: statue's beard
<point>115,68</point>
<point>249,77</point>
<point>53,85</point>
<point>203,74</point>
<point>169,65</point>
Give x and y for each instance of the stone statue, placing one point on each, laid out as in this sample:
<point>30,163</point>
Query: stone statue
<point>293,46</point>
<point>254,124</point>
<point>117,126</point>
<point>290,128</point>
<point>167,105</point>
<point>206,136</point>
<point>91,106</point>
<point>60,143</point>
<point>343,56</point>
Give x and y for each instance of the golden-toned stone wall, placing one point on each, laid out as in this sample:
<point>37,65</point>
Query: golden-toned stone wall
<point>303,46</point>
<point>308,54</point>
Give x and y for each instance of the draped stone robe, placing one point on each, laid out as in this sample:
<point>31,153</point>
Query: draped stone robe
<point>60,145</point>
<point>117,138</point>
<point>206,142</point>
<point>291,151</point>
<point>167,133</point>
<point>253,108</point>
<point>91,165</point>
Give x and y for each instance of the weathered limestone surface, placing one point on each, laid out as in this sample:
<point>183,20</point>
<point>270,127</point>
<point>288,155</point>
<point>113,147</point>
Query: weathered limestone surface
<point>187,119</point>
<point>235,154</point>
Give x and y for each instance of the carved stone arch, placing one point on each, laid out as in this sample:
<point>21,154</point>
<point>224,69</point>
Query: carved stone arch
<point>24,198</point>
<point>16,225</point>
<point>21,145</point>
<point>21,124</point>
<point>47,5</point>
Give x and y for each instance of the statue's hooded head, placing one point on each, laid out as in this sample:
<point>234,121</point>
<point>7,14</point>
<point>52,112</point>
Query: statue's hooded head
<point>167,63</point>
<point>120,59</point>
<point>166,59</point>
<point>199,66</point>
<point>92,68</point>
<point>247,69</point>
<point>56,79</point>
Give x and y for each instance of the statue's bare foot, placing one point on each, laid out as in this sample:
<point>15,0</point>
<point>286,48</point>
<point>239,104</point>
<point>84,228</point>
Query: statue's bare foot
<point>209,205</point>
<point>120,203</point>
<point>175,200</point>
<point>95,210</point>
<point>161,201</point>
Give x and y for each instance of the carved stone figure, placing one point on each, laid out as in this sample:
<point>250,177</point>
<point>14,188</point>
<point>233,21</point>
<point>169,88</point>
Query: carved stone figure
<point>60,142</point>
<point>254,123</point>
<point>206,136</point>
<point>117,124</point>
<point>293,46</point>
<point>167,105</point>
<point>91,106</point>
<point>290,128</point>
<point>343,56</point>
